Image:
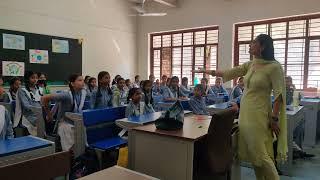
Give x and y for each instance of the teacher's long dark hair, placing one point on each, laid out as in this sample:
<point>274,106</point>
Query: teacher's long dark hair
<point>267,43</point>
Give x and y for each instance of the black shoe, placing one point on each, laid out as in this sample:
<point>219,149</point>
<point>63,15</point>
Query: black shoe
<point>306,155</point>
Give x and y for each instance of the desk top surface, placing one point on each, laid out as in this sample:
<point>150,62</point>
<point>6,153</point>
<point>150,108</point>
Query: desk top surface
<point>314,100</point>
<point>21,144</point>
<point>195,126</point>
<point>294,111</point>
<point>117,173</point>
<point>142,119</point>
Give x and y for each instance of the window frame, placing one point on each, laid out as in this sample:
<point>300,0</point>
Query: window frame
<point>182,46</point>
<point>307,37</point>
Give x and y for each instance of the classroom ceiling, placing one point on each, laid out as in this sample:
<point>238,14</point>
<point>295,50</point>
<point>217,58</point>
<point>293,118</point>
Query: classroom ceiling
<point>147,7</point>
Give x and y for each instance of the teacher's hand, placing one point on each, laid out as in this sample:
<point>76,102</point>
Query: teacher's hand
<point>275,127</point>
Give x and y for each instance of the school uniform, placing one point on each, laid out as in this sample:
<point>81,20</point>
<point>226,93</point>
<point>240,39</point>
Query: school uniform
<point>68,102</point>
<point>163,88</point>
<point>198,105</point>
<point>219,90</point>
<point>185,90</point>
<point>148,100</point>
<point>119,97</point>
<point>156,90</point>
<point>10,96</point>
<point>24,101</point>
<point>136,109</point>
<point>136,84</point>
<point>236,92</point>
<point>101,98</point>
<point>171,93</point>
<point>208,90</point>
<point>6,131</point>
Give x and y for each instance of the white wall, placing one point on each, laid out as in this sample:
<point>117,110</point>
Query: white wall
<point>108,31</point>
<point>197,13</point>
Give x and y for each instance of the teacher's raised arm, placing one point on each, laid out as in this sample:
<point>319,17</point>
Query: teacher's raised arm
<point>210,72</point>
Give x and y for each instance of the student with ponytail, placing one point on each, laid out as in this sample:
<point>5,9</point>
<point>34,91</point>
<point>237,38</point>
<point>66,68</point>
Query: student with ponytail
<point>102,97</point>
<point>28,97</point>
<point>68,101</point>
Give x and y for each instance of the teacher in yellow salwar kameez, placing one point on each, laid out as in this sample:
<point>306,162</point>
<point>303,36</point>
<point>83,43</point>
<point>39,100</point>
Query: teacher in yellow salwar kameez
<point>260,123</point>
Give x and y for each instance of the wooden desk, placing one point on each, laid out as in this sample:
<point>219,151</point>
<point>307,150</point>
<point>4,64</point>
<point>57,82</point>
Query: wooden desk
<point>168,155</point>
<point>117,173</point>
<point>312,126</point>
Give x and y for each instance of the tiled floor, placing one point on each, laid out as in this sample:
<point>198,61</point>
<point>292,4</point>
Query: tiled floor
<point>308,169</point>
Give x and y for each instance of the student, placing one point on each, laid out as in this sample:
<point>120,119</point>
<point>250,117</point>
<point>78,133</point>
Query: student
<point>6,131</point>
<point>114,81</point>
<point>86,80</point>
<point>185,89</point>
<point>172,92</point>
<point>136,82</point>
<point>102,97</point>
<point>197,102</point>
<point>28,97</point>
<point>152,78</point>
<point>2,91</point>
<point>156,89</point>
<point>128,85</point>
<point>136,107</point>
<point>168,82</point>
<point>238,89</point>
<point>141,84</point>
<point>206,88</point>
<point>42,84</point>
<point>290,88</point>
<point>69,101</point>
<point>163,83</point>
<point>147,95</point>
<point>15,84</point>
<point>92,85</point>
<point>120,95</point>
<point>218,88</point>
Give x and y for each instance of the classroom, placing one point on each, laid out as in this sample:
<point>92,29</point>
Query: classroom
<point>160,89</point>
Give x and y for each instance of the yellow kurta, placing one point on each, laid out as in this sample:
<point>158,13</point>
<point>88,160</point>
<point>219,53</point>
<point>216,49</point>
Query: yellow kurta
<point>256,138</point>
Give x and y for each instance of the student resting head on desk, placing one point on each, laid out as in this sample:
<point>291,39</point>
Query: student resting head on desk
<point>206,88</point>
<point>69,101</point>
<point>147,95</point>
<point>15,84</point>
<point>102,97</point>
<point>197,101</point>
<point>6,131</point>
<point>119,94</point>
<point>28,97</point>
<point>136,107</point>
<point>173,92</point>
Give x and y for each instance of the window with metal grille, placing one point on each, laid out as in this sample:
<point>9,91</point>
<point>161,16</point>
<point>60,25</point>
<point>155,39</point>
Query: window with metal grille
<point>176,53</point>
<point>296,46</point>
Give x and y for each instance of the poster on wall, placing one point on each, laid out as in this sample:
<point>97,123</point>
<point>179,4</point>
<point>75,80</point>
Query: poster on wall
<point>12,68</point>
<point>38,56</point>
<point>11,41</point>
<point>60,46</point>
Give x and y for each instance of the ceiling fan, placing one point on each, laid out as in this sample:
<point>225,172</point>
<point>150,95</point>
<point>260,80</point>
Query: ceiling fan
<point>139,7</point>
